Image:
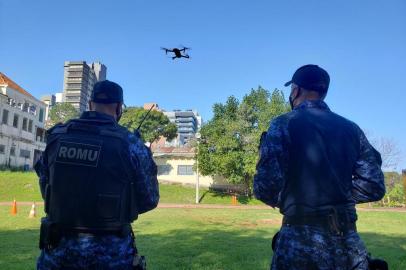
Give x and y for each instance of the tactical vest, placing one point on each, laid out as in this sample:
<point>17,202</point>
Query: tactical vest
<point>91,176</point>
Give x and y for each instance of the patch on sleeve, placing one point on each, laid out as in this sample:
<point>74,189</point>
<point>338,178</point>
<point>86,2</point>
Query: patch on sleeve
<point>78,153</point>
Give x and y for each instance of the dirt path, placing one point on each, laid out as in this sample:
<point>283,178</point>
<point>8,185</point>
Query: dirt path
<point>221,206</point>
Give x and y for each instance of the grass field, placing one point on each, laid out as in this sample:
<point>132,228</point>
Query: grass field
<point>23,186</point>
<point>204,238</point>
<point>224,239</point>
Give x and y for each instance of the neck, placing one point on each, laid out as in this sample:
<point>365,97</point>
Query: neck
<point>106,112</point>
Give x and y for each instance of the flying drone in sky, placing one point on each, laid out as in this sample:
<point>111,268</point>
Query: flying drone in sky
<point>178,52</point>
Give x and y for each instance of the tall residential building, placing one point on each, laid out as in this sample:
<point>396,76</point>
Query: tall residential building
<point>22,119</point>
<point>188,123</point>
<point>79,78</point>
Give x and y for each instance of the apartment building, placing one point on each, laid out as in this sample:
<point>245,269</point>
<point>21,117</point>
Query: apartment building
<point>79,78</point>
<point>22,133</point>
<point>188,123</point>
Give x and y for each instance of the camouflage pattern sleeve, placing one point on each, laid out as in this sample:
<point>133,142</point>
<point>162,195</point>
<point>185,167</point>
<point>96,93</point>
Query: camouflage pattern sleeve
<point>368,179</point>
<point>271,167</point>
<point>146,182</point>
<point>41,168</point>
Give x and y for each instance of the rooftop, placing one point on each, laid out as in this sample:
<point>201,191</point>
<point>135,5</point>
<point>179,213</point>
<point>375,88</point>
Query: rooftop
<point>10,83</point>
<point>173,151</point>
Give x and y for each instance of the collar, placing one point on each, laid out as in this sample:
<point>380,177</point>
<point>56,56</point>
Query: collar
<point>98,116</point>
<point>318,104</point>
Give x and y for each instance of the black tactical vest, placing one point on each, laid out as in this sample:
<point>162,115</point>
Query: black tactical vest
<point>90,170</point>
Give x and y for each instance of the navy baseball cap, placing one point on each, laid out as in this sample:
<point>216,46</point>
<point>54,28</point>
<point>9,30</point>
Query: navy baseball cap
<point>107,92</point>
<point>311,77</point>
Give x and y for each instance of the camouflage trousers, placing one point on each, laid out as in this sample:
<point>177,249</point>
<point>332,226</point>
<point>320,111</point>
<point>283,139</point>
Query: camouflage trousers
<point>89,252</point>
<point>312,248</point>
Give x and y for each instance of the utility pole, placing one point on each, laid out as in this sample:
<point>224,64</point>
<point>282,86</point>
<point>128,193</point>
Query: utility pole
<point>404,184</point>
<point>197,168</point>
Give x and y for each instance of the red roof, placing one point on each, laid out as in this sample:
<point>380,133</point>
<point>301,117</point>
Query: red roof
<point>173,150</point>
<point>10,83</point>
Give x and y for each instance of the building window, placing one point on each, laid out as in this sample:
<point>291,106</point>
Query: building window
<point>30,126</point>
<point>41,115</point>
<point>15,121</point>
<point>25,107</point>
<point>25,153</point>
<point>25,122</point>
<point>12,151</point>
<point>185,170</point>
<point>164,169</point>
<point>2,148</point>
<point>5,117</point>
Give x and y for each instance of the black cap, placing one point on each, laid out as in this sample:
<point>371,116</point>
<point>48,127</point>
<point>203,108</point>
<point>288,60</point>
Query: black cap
<point>311,77</point>
<point>107,92</point>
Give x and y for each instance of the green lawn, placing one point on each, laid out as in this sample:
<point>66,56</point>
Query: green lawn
<point>23,186</point>
<point>204,238</point>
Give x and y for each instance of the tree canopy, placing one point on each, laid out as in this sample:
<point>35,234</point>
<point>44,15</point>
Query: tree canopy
<point>230,140</point>
<point>155,125</point>
<point>61,112</point>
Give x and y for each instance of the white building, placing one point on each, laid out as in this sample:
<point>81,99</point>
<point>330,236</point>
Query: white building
<point>50,101</point>
<point>59,97</point>
<point>22,132</point>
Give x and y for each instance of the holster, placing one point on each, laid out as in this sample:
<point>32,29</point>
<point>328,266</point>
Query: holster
<point>139,262</point>
<point>50,234</point>
<point>377,264</point>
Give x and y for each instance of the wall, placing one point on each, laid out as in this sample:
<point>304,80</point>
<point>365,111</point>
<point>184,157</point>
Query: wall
<point>173,176</point>
<point>16,137</point>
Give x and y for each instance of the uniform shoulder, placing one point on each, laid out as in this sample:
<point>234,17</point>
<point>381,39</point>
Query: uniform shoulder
<point>57,127</point>
<point>282,120</point>
<point>348,122</point>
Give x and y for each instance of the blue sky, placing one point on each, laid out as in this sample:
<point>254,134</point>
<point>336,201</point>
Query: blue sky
<point>236,46</point>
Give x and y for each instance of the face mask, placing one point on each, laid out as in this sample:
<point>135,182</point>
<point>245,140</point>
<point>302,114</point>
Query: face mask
<point>292,100</point>
<point>119,114</point>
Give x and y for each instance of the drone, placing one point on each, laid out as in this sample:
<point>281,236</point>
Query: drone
<point>178,52</point>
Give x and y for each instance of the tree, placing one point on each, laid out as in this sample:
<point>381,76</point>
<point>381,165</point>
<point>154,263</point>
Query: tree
<point>230,140</point>
<point>61,112</point>
<point>389,150</point>
<point>155,125</point>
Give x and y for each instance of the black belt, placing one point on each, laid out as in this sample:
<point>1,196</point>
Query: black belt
<point>122,231</point>
<point>334,223</point>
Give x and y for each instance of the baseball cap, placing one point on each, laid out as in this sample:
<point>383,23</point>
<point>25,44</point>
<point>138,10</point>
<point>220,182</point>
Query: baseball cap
<point>311,77</point>
<point>107,92</point>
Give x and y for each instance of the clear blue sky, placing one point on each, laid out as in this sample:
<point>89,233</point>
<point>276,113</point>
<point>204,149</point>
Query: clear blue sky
<point>237,45</point>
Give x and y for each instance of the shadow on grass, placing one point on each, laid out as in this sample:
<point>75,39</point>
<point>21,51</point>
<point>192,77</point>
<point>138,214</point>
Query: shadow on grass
<point>203,195</point>
<point>204,248</point>
<point>242,199</point>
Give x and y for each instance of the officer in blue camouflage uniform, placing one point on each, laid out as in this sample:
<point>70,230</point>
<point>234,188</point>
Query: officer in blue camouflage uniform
<point>96,178</point>
<point>315,166</point>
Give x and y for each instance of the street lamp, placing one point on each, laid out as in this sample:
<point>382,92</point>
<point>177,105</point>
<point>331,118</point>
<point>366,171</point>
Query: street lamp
<point>198,136</point>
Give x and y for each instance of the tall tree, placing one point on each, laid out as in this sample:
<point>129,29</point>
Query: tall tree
<point>155,125</point>
<point>60,113</point>
<point>230,140</point>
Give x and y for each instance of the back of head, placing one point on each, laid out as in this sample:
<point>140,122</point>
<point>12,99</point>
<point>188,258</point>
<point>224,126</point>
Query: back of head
<point>107,97</point>
<point>311,78</point>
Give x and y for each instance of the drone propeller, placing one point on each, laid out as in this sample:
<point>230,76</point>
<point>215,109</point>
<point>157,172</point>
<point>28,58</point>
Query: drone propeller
<point>184,48</point>
<point>165,49</point>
